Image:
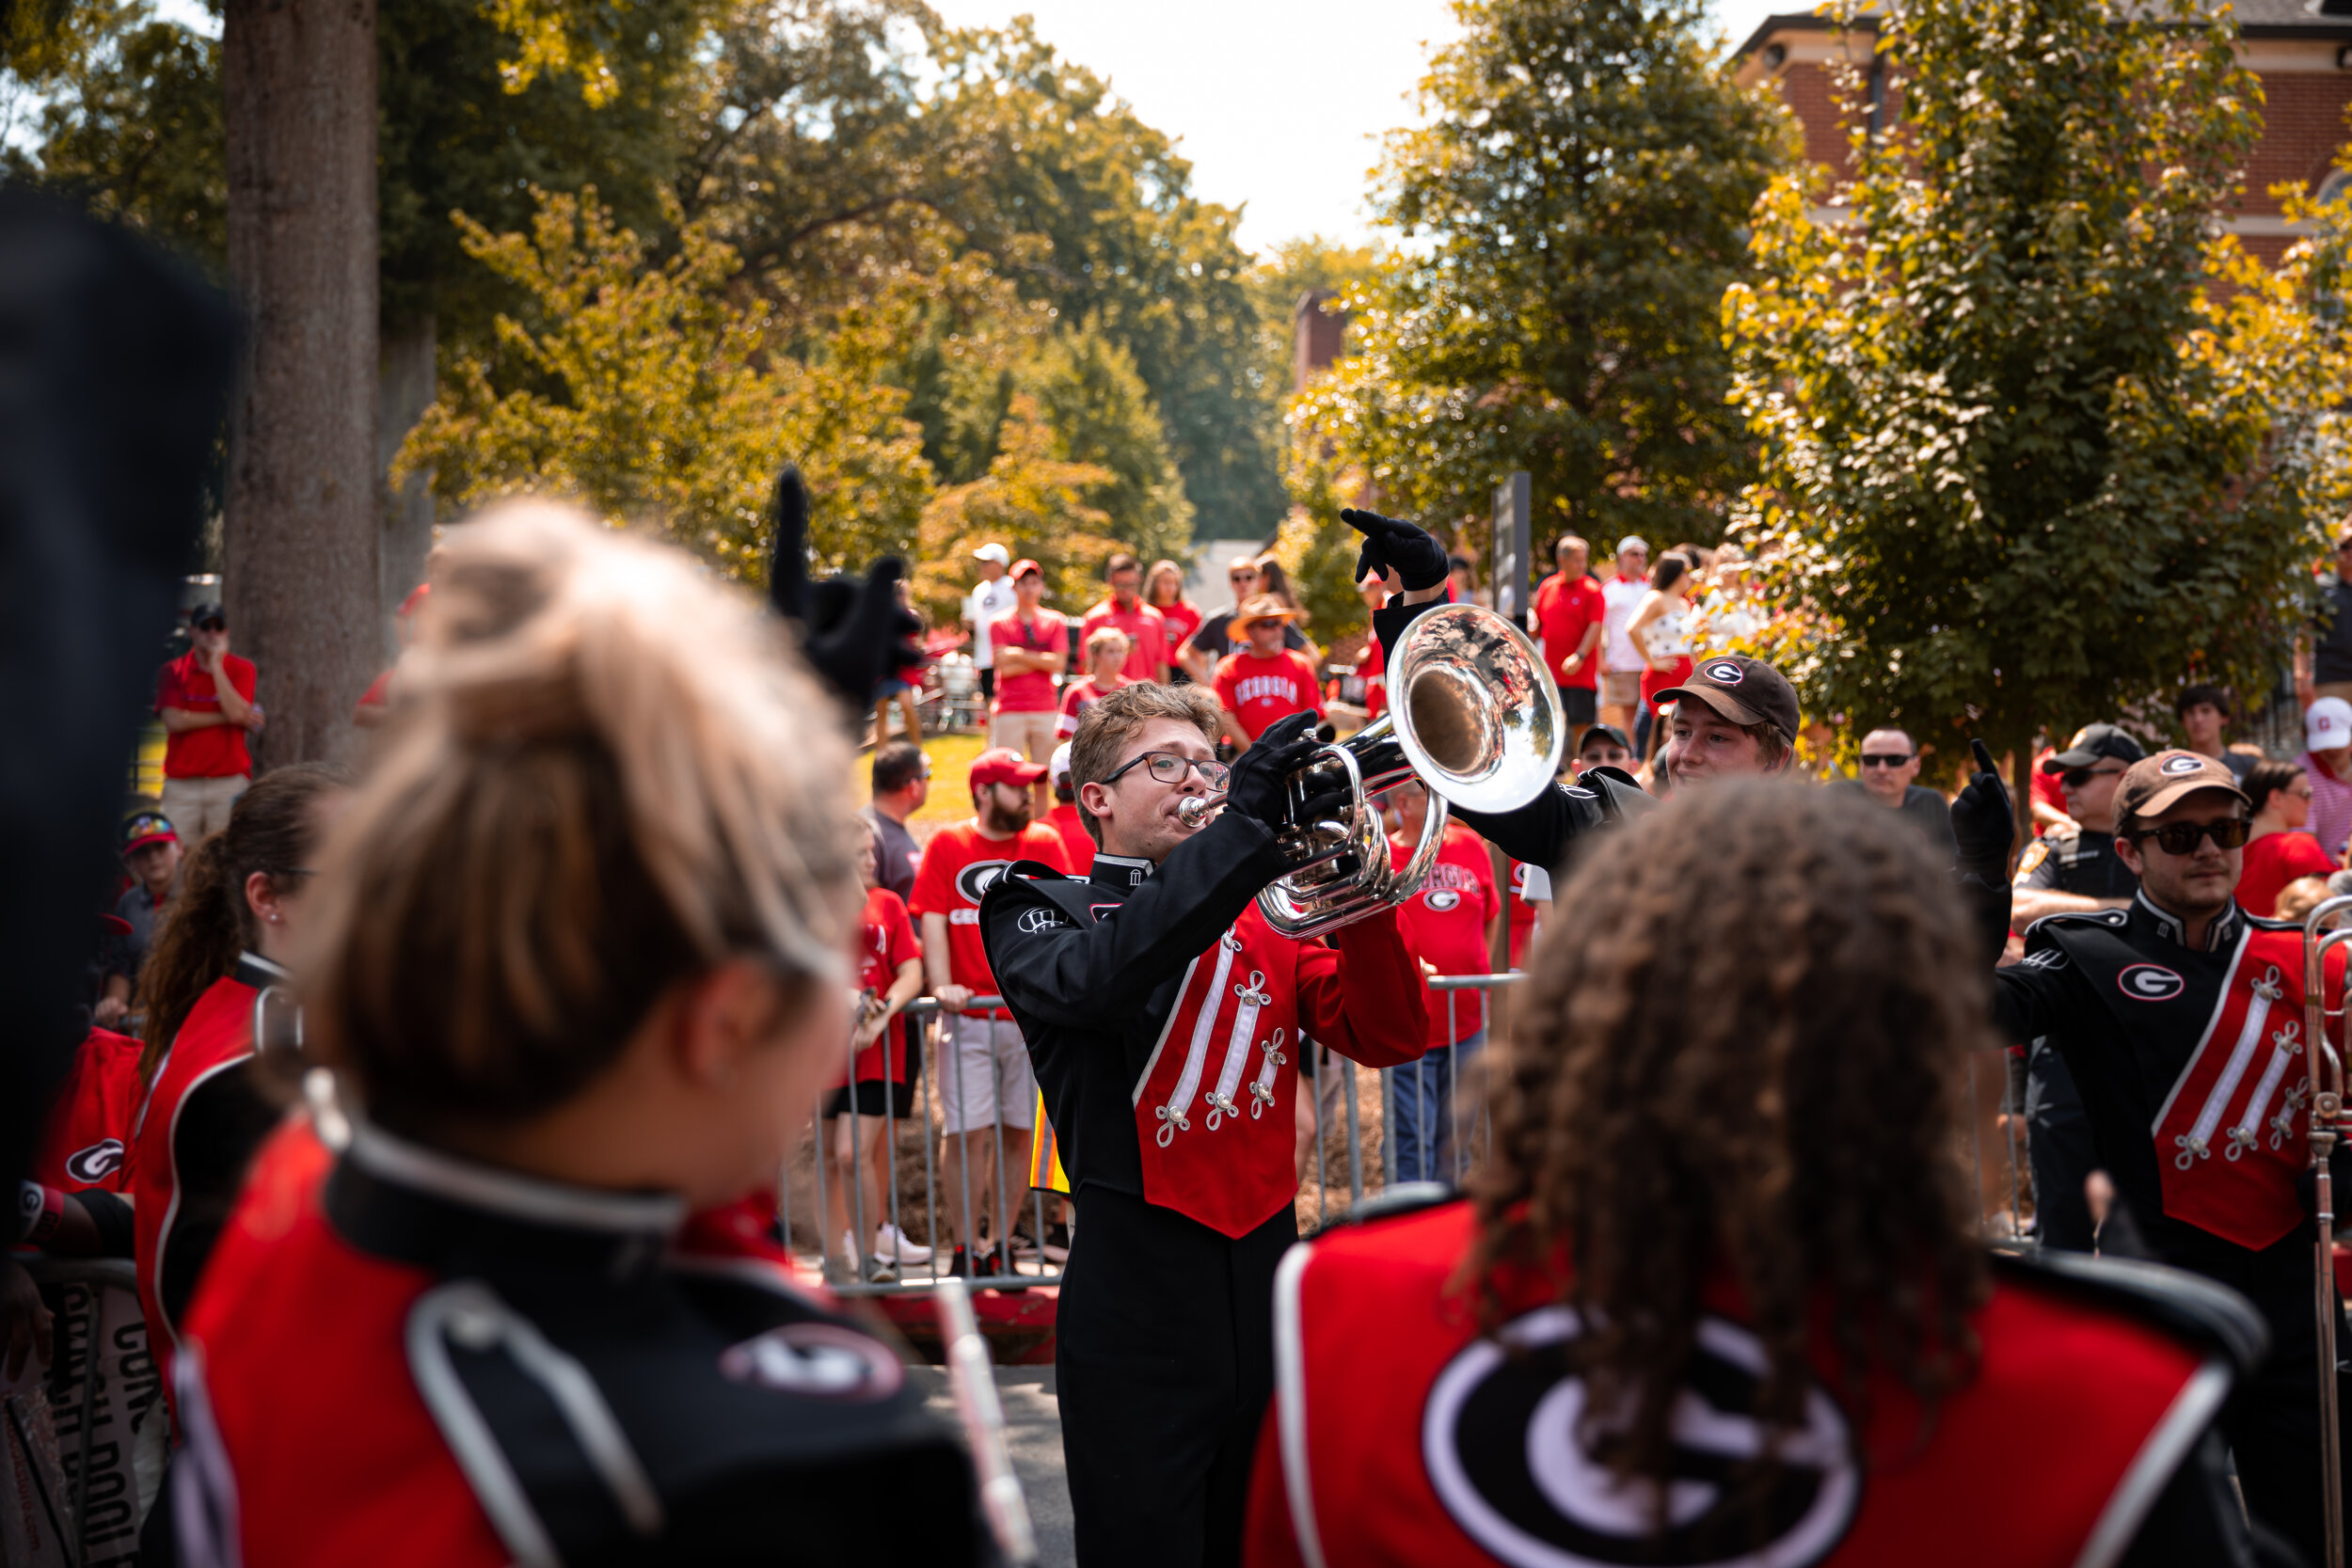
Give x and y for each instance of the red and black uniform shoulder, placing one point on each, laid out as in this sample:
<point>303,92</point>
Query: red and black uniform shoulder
<point>86,1141</point>
<point>1401,1433</point>
<point>544,1374</point>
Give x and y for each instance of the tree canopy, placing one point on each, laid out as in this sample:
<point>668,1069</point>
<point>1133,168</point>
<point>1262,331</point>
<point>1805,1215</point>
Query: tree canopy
<point>2035,434</point>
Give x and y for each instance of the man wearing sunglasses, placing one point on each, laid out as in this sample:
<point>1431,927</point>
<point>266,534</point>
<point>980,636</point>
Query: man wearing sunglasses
<point>1889,772</point>
<point>1165,1020</point>
<point>2075,869</point>
<point>1218,636</point>
<point>2181,1017</point>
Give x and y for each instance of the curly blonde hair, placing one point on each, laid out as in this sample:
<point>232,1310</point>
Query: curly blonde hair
<point>608,774</point>
<point>1741,1054</point>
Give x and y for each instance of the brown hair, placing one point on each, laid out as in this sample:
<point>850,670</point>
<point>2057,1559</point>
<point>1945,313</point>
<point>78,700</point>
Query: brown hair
<point>272,830</point>
<point>1110,725</point>
<point>1161,571</point>
<point>1104,637</point>
<point>1741,1054</point>
<point>609,777</point>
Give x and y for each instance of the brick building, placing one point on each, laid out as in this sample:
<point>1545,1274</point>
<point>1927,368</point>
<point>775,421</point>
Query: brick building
<point>2301,50</point>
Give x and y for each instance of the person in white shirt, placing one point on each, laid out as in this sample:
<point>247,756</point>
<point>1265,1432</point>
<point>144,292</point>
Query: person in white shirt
<point>990,601</point>
<point>1621,662</point>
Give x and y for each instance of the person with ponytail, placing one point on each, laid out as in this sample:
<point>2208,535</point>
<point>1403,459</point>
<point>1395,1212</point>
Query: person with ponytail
<point>580,968</point>
<point>231,936</point>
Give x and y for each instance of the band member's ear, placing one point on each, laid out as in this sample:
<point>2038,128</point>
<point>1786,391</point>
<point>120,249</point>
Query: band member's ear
<point>2127,850</point>
<point>1094,799</point>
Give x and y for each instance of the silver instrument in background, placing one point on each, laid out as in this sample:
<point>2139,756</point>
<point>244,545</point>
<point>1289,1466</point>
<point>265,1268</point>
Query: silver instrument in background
<point>1472,715</point>
<point>2328,1126</point>
<point>1002,1502</point>
<point>277,1004</point>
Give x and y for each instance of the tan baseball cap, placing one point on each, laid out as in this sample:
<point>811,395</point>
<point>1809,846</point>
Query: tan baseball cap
<point>2154,785</point>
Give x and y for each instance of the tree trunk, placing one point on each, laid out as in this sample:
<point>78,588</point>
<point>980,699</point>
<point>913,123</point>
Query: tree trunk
<point>302,529</point>
<point>406,387</point>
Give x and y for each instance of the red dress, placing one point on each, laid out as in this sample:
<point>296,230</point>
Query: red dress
<point>1401,1435</point>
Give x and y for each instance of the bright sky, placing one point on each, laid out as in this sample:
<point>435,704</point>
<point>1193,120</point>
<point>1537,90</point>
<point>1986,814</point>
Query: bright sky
<point>1278,103</point>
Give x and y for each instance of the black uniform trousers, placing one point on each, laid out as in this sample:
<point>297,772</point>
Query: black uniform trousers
<point>1164,1362</point>
<point>2059,1149</point>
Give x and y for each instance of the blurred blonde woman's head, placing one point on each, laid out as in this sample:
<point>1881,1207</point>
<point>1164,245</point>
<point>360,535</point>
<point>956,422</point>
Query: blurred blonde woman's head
<point>609,779</point>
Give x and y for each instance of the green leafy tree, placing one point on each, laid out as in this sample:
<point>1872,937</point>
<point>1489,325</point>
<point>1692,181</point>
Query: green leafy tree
<point>1088,391</point>
<point>1572,214</point>
<point>1035,503</point>
<point>653,397</point>
<point>2027,459</point>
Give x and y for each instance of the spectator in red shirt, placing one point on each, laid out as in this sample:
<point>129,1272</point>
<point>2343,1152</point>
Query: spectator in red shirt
<point>2278,851</point>
<point>1064,818</point>
<point>1164,591</point>
<point>1029,647</point>
<point>1569,617</point>
<point>1264,681</point>
<point>855,1123</point>
<point>1147,633</point>
<point>1373,667</point>
<point>206,719</point>
<point>151,852</point>
<point>1450,925</point>
<point>985,1087</point>
<point>1106,656</point>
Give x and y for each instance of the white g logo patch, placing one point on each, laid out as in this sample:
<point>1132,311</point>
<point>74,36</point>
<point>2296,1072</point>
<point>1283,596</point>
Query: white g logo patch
<point>2150,983</point>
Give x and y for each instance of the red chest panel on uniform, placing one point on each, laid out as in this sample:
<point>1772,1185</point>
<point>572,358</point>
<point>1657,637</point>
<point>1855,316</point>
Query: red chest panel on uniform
<point>1424,1444</point>
<point>218,1033</point>
<point>2231,1137</point>
<point>1213,1110</point>
<point>334,1455</point>
<point>87,1140</point>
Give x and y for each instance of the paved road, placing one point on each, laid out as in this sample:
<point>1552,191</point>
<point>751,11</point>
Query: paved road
<point>1033,1429</point>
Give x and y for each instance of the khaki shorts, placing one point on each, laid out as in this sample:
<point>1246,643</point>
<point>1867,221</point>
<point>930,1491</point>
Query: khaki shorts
<point>1620,688</point>
<point>1030,734</point>
<point>199,807</point>
<point>984,1076</point>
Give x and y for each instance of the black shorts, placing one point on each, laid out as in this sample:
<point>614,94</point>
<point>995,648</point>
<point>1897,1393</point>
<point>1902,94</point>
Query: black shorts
<point>869,1100</point>
<point>1579,704</point>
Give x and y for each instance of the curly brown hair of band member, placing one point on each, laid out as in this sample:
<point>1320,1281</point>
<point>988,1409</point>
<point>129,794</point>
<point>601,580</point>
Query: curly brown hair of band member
<point>1742,1051</point>
<point>273,832</point>
<point>608,776</point>
<point>1108,730</point>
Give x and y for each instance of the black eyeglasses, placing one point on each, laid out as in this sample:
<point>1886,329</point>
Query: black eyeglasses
<point>1168,767</point>
<point>1885,759</point>
<point>2180,838</point>
<point>212,626</point>
<point>2076,778</point>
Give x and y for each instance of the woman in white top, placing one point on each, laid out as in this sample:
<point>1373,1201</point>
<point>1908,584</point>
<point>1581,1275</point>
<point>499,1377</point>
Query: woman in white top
<point>1661,628</point>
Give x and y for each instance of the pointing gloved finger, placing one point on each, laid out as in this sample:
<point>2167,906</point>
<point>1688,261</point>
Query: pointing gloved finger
<point>1418,559</point>
<point>1984,757</point>
<point>788,549</point>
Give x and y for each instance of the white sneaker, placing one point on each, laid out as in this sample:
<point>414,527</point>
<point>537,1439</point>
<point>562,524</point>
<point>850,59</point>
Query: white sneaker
<point>891,1243</point>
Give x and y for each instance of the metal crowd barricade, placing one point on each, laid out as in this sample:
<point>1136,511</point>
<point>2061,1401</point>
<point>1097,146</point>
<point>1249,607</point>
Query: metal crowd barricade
<point>1447,1132</point>
<point>105,1405</point>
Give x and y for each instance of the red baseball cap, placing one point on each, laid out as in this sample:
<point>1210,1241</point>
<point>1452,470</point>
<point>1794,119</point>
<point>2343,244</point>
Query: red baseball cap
<point>1003,765</point>
<point>1022,567</point>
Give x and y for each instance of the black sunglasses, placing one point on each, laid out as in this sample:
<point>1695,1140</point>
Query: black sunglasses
<point>212,626</point>
<point>1885,759</point>
<point>2180,838</point>
<point>2076,778</point>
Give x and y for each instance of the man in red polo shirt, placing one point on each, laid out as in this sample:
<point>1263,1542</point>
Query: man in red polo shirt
<point>1147,632</point>
<point>985,1087</point>
<point>206,765</point>
<point>1450,925</point>
<point>1264,681</point>
<point>1569,615</point>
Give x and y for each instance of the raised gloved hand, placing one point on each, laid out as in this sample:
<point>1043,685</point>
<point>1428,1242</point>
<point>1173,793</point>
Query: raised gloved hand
<point>1983,823</point>
<point>1259,787</point>
<point>852,633</point>
<point>1392,544</point>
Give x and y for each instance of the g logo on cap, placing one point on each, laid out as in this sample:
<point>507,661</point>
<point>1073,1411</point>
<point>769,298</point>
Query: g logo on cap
<point>2150,983</point>
<point>2185,762</point>
<point>1500,1444</point>
<point>1724,672</point>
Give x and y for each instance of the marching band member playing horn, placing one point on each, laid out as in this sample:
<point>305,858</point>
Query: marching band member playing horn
<point>579,961</point>
<point>1716,1296</point>
<point>2181,1018</point>
<point>1164,1018</point>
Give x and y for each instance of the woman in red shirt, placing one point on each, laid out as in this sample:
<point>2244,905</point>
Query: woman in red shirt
<point>2278,851</point>
<point>890,976</point>
<point>1164,591</point>
<point>579,966</point>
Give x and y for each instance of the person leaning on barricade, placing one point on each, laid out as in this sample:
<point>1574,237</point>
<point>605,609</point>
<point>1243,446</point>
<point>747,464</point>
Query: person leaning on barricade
<point>1716,1295</point>
<point>579,967</point>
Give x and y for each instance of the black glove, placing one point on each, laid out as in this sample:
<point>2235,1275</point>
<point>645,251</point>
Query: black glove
<point>853,634</point>
<point>1390,543</point>
<point>1984,824</point>
<point>1259,786</point>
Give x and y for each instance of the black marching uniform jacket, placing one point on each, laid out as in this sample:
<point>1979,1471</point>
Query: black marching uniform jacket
<point>2191,1068</point>
<point>1165,1020</point>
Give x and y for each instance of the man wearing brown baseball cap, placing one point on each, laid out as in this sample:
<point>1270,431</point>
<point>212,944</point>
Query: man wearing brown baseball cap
<point>2178,1017</point>
<point>1733,716</point>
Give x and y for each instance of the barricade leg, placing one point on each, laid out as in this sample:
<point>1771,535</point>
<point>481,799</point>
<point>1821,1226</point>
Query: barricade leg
<point>927,1096</point>
<point>1355,1133</point>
